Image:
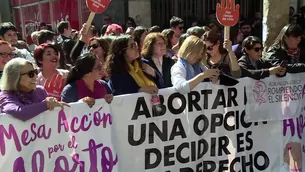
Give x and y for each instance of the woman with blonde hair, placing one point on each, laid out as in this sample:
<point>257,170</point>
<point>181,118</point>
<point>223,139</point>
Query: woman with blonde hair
<point>20,96</point>
<point>188,71</point>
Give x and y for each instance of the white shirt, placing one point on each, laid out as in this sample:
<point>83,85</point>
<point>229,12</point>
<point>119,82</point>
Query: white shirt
<point>178,77</point>
<point>158,62</point>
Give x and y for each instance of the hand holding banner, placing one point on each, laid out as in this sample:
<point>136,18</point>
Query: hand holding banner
<point>227,15</point>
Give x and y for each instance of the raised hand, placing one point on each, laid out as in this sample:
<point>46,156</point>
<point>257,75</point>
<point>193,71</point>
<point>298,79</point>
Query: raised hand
<point>55,85</point>
<point>227,13</point>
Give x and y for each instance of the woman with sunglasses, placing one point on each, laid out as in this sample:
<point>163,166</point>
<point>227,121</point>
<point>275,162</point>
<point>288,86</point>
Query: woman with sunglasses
<point>47,59</point>
<point>126,71</point>
<point>220,56</point>
<point>286,49</point>
<point>188,71</point>
<point>252,63</point>
<point>82,45</point>
<point>20,96</point>
<point>83,82</point>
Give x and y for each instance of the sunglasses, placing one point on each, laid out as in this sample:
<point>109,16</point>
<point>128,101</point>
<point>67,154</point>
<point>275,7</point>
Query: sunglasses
<point>94,46</point>
<point>211,47</point>
<point>31,73</point>
<point>257,49</point>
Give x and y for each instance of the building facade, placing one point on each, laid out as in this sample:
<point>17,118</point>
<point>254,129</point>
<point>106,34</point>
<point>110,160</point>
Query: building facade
<point>27,14</point>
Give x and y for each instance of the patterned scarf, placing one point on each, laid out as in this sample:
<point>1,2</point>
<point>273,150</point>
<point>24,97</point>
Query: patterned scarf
<point>294,54</point>
<point>137,74</point>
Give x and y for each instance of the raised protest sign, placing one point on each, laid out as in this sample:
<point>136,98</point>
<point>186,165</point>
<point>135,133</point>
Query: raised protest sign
<point>228,15</point>
<point>204,131</point>
<point>95,6</point>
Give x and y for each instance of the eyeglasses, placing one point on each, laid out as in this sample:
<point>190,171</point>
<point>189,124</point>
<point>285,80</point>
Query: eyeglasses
<point>211,47</point>
<point>257,49</point>
<point>5,55</point>
<point>133,45</point>
<point>94,46</point>
<point>31,73</point>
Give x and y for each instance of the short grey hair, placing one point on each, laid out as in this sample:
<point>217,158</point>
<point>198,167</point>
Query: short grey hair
<point>12,74</point>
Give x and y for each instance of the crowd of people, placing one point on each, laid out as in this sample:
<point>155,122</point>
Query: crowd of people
<point>85,66</point>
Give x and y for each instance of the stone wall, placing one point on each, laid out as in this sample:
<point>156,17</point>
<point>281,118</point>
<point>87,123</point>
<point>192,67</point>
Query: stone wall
<point>276,15</point>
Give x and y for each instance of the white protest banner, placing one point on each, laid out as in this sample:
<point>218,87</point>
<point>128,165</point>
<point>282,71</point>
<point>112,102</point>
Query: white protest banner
<point>204,131</point>
<point>275,98</point>
<point>77,139</point>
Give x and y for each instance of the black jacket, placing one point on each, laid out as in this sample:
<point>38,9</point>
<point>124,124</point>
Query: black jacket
<point>259,72</point>
<point>276,55</point>
<point>165,77</point>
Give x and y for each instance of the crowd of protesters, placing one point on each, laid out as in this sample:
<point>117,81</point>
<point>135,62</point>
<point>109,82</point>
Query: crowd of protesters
<point>76,65</point>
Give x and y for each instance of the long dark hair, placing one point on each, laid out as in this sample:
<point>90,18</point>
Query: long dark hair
<point>137,33</point>
<point>214,37</point>
<point>288,30</point>
<point>83,65</point>
<point>116,62</point>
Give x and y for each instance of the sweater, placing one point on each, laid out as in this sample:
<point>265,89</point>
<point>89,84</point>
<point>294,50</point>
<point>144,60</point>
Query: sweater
<point>23,106</point>
<point>70,92</point>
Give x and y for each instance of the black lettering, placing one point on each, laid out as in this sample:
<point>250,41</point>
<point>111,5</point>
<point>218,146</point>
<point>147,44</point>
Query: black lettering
<point>168,155</point>
<point>205,124</point>
<point>226,124</point>
<point>199,167</point>
<point>223,144</point>
<point>194,102</point>
<point>223,165</point>
<point>193,151</point>
<point>209,166</point>
<point>220,99</point>
<point>171,107</point>
<point>206,98</point>
<point>186,169</point>
<point>245,96</point>
<point>141,104</point>
<point>213,147</point>
<point>203,148</point>
<point>245,164</point>
<point>232,94</point>
<point>148,163</point>
<point>240,142</point>
<point>131,136</point>
<point>177,130</point>
<point>266,161</point>
<point>179,153</point>
<point>232,165</point>
<point>216,123</point>
<point>249,140</point>
<point>243,121</point>
<point>153,128</point>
